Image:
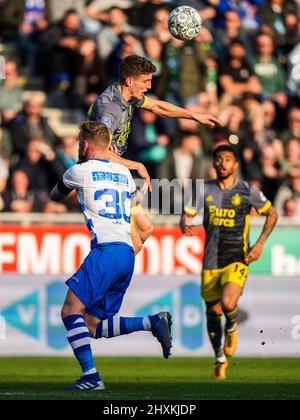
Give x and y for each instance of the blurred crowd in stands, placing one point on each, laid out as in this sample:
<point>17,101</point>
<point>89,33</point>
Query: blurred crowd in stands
<point>243,67</point>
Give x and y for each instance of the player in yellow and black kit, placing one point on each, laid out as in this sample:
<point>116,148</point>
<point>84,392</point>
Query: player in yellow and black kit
<point>227,203</point>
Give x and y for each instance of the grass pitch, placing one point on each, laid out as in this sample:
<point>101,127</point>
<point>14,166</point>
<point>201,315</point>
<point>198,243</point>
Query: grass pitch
<point>42,378</point>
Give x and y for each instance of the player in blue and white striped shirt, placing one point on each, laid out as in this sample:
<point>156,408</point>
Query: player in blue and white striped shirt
<point>96,290</point>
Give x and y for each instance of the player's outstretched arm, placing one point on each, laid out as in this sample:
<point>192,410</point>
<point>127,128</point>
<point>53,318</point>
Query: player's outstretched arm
<point>134,166</point>
<point>256,251</point>
<point>166,109</point>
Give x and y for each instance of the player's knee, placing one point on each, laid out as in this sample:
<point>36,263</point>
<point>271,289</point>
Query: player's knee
<point>65,311</point>
<point>214,309</point>
<point>214,313</point>
<point>68,310</point>
<point>91,329</point>
<point>228,305</point>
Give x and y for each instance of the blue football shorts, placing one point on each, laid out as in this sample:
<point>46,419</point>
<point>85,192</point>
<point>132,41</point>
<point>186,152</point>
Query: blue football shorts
<point>103,278</point>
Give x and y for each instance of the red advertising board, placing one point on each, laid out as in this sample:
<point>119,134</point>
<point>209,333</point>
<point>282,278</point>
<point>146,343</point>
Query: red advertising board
<point>59,249</point>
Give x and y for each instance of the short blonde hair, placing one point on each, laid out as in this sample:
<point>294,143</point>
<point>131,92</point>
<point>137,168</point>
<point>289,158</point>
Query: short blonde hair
<point>95,132</point>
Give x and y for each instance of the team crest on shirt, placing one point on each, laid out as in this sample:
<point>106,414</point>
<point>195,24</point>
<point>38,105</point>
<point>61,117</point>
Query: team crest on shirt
<point>236,200</point>
<point>209,199</point>
<point>107,121</point>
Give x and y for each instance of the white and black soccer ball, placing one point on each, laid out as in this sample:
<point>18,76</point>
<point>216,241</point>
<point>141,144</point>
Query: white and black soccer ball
<point>184,23</point>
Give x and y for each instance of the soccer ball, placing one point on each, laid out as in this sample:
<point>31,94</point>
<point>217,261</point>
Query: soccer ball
<point>184,23</point>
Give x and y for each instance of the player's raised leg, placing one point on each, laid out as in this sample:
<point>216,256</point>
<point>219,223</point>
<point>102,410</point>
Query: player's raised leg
<point>80,341</point>
<point>114,326</point>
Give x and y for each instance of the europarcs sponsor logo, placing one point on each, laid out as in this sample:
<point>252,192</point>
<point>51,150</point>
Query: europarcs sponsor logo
<point>2,67</point>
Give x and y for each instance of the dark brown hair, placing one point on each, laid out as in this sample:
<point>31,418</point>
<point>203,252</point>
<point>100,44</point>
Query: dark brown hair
<point>134,66</point>
<point>225,148</point>
<point>94,131</point>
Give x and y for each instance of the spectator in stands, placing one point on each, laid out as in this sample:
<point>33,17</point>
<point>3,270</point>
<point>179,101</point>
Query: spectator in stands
<point>128,45</point>
<point>143,13</point>
<point>60,44</point>
<point>148,141</point>
<point>25,19</point>
<point>91,73</point>
<point>58,8</point>
<point>236,123</point>
<point>269,118</point>
<point>19,197</point>
<point>291,36</point>
<point>233,31</point>
<point>183,73</point>
<point>184,165</point>
<point>109,37</point>
<point>291,161</point>
<point>205,7</point>
<point>98,6</point>
<point>293,129</point>
<point>160,25</point>
<point>262,122</point>
<point>235,75</point>
<point>67,151</point>
<point>291,190</point>
<point>247,10</point>
<point>271,14</point>
<point>272,171</point>
<point>153,51</point>
<point>41,165</point>
<point>10,93</point>
<point>268,70</point>
<point>203,104</point>
<point>290,208</point>
<point>186,161</point>
<point>29,124</point>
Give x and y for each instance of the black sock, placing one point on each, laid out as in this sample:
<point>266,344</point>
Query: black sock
<point>214,328</point>
<point>231,319</point>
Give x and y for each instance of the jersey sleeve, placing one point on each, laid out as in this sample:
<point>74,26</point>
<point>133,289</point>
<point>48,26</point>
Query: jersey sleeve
<point>104,114</point>
<point>73,177</point>
<point>194,203</point>
<point>258,200</point>
<point>142,103</point>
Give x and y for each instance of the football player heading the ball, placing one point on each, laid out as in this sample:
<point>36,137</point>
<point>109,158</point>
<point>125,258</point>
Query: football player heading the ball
<point>115,108</point>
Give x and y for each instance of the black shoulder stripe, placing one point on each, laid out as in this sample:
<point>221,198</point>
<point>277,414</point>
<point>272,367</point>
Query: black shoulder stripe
<point>62,188</point>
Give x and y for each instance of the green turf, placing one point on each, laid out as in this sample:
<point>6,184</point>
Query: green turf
<point>151,378</point>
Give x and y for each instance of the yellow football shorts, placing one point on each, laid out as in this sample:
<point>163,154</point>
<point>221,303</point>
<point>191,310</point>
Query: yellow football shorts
<point>213,280</point>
